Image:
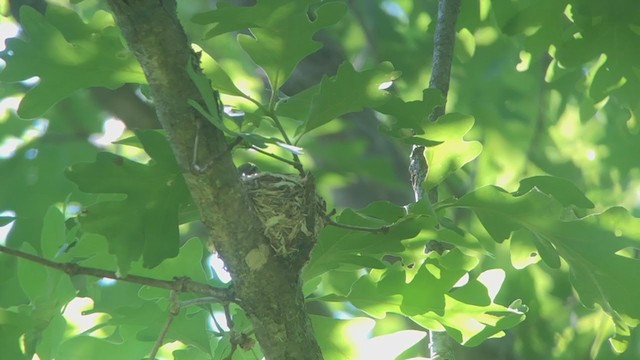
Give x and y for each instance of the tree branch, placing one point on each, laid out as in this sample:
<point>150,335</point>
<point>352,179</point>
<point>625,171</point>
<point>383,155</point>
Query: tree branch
<point>126,106</point>
<point>445,38</point>
<point>440,344</point>
<point>268,288</point>
<point>73,269</point>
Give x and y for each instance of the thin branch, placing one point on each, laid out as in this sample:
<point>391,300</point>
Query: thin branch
<point>271,113</point>
<point>276,121</point>
<point>445,38</point>
<point>221,331</point>
<point>382,229</point>
<point>280,158</point>
<point>199,301</point>
<point>227,315</point>
<point>174,310</point>
<point>440,344</point>
<point>72,269</point>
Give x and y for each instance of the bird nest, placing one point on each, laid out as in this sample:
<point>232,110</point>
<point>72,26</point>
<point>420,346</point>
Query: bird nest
<point>291,212</point>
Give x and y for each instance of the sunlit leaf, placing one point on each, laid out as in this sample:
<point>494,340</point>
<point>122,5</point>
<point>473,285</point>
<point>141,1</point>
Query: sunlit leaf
<point>335,336</point>
<point>467,313</point>
<point>454,152</point>
<point>566,192</point>
<point>589,245</point>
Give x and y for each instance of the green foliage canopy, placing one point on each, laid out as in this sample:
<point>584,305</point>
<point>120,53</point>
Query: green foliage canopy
<point>541,146</point>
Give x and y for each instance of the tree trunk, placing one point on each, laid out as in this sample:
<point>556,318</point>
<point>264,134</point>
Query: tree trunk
<point>266,287</point>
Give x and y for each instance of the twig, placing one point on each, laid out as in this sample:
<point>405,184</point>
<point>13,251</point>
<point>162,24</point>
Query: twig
<point>72,269</point>
<point>227,315</point>
<point>296,159</point>
<point>174,310</point>
<point>232,332</point>
<point>382,229</point>
<point>280,158</point>
<point>221,331</point>
<point>198,301</point>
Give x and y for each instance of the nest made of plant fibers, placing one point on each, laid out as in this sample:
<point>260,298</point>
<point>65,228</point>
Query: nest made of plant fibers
<point>289,208</point>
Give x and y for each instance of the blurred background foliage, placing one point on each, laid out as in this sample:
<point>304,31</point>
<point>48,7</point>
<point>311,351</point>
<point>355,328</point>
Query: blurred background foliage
<point>553,86</point>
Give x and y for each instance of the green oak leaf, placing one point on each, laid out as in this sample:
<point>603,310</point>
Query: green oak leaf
<point>278,51</point>
<point>190,353</point>
<point>88,347</point>
<point>219,76</point>
<point>453,152</point>
<point>53,232</point>
<point>410,117</point>
<point>438,274</point>
<point>566,192</point>
<point>522,248</point>
<point>334,336</point>
<point>338,247</point>
<point>348,91</point>
<point>592,246</point>
<point>32,276</point>
<point>13,325</point>
<point>66,54</point>
<point>467,312</point>
<point>610,33</point>
<point>281,31</point>
<point>146,221</point>
<point>265,14</point>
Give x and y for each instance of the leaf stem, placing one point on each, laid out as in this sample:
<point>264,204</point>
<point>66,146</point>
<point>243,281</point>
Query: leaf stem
<point>270,112</point>
<point>277,157</point>
<point>174,310</point>
<point>382,229</point>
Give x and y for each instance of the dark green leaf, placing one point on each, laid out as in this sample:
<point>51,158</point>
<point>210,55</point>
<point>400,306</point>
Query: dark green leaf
<point>348,91</point>
<point>87,55</point>
<point>409,118</point>
<point>146,221</point>
<point>281,31</point>
<point>344,247</point>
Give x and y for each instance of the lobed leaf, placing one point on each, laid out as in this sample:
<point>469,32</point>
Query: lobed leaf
<point>409,118</point>
<point>592,246</point>
<point>467,312</point>
<point>146,221</point>
<point>348,91</point>
<point>453,152</point>
<point>281,31</point>
<point>66,55</point>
